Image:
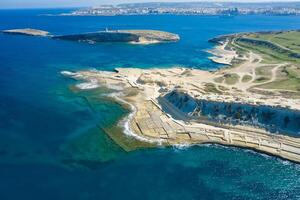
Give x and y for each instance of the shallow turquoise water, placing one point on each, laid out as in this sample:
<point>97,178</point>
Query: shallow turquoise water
<point>51,141</point>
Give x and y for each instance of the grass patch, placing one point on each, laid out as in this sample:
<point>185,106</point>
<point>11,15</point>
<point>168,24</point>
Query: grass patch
<point>187,72</point>
<point>292,71</point>
<point>266,59</point>
<point>286,39</point>
<point>231,79</point>
<point>261,79</point>
<point>287,84</point>
<point>288,79</point>
<point>264,71</point>
<point>223,88</point>
<point>246,78</point>
<point>211,88</point>
<point>219,79</point>
<point>272,54</point>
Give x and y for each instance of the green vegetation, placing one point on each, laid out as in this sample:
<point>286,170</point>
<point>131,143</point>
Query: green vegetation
<point>187,72</point>
<point>274,48</point>
<point>292,71</point>
<point>288,84</point>
<point>136,36</point>
<point>277,52</point>
<point>288,79</point>
<point>286,39</point>
<point>236,62</point>
<point>261,79</point>
<point>282,46</point>
<point>240,51</point>
<point>219,79</point>
<point>269,59</point>
<point>273,56</point>
<point>211,88</point>
<point>223,88</point>
<point>264,71</point>
<point>231,79</point>
<point>246,78</point>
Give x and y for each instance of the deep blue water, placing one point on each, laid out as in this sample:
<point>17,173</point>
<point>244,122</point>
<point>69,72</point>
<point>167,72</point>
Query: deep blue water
<point>51,142</point>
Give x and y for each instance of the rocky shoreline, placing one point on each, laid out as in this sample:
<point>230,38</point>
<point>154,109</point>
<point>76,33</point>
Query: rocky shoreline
<point>122,36</point>
<point>161,120</point>
<point>27,31</point>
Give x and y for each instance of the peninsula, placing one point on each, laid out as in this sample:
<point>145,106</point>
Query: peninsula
<point>126,36</point>
<point>254,103</point>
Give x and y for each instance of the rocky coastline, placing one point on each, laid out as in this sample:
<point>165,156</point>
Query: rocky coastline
<point>120,36</point>
<point>169,121</point>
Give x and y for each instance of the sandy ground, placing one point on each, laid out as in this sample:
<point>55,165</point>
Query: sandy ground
<point>194,83</point>
<point>221,55</point>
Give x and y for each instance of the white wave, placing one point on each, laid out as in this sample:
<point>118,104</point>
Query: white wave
<point>182,146</point>
<point>114,87</point>
<point>91,84</point>
<point>285,162</point>
<point>125,123</point>
<point>211,145</point>
<point>68,73</point>
<point>71,74</point>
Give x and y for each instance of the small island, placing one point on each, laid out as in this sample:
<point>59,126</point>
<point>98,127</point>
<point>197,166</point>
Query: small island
<point>253,103</point>
<point>121,36</point>
<point>127,36</point>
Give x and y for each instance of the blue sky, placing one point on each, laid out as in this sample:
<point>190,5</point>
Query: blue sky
<point>78,3</point>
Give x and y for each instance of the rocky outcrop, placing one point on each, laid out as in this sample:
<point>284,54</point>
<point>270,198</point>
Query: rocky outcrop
<point>100,37</point>
<point>182,117</point>
<point>27,31</point>
<point>273,119</point>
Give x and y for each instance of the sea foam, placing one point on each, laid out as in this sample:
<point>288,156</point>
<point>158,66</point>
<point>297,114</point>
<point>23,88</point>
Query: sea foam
<point>71,74</point>
<point>125,123</point>
<point>91,84</point>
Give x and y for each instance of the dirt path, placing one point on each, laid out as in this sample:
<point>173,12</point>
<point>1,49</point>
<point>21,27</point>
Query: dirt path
<point>249,67</point>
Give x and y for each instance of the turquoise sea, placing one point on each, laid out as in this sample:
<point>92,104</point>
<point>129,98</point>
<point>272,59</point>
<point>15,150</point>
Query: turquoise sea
<point>52,143</point>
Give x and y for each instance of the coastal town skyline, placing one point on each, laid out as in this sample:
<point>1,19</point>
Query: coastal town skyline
<point>11,4</point>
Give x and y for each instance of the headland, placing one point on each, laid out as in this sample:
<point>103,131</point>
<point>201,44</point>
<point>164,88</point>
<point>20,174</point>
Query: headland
<point>254,103</point>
